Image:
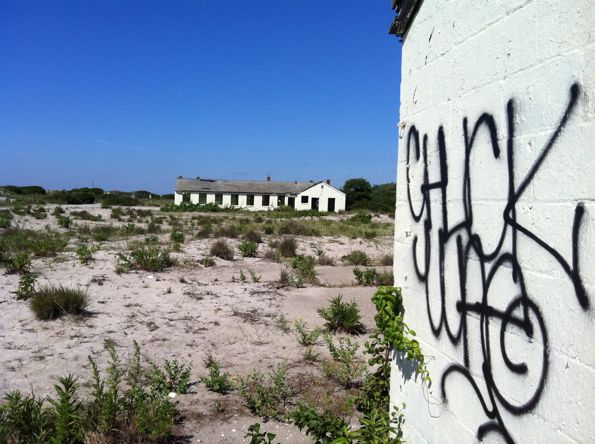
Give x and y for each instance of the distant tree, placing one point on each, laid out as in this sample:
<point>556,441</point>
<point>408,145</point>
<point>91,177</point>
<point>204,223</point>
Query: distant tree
<point>383,198</point>
<point>358,192</point>
<point>31,189</point>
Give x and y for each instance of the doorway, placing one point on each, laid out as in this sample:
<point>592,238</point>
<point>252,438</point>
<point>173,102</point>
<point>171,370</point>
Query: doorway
<point>315,203</point>
<point>331,204</point>
<point>291,202</point>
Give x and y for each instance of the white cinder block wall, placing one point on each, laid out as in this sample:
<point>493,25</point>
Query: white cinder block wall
<point>495,231</point>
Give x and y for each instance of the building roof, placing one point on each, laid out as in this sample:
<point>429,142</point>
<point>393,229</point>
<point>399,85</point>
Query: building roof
<point>241,186</point>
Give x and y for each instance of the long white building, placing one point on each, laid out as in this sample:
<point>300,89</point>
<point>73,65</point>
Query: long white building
<point>260,195</point>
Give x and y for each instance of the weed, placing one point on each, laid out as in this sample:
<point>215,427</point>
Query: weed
<point>227,230</point>
<point>177,237</point>
<point>356,257</point>
<point>297,228</point>
<point>243,278</point>
<point>207,261</point>
<point>19,263</point>
<point>204,232</point>
<point>216,381</point>
<point>266,398</point>
<point>248,248</point>
<point>221,249</point>
<point>324,259</point>
<point>387,259</point>
<point>342,316</point>
<point>367,276</point>
<point>148,258</point>
<point>63,221</point>
<point>253,236</point>
<point>52,302</point>
<point>26,286</point>
<point>324,427</point>
<point>85,252</point>
<point>310,355</point>
<point>174,377</point>
<point>287,247</point>
<point>385,279</point>
<point>255,277</point>
<point>306,337</point>
<point>272,255</point>
<point>36,243</point>
<point>345,367</point>
<point>58,211</point>
<point>361,218</point>
<point>304,266</point>
<point>258,437</point>
<point>5,218</point>
<point>283,324</point>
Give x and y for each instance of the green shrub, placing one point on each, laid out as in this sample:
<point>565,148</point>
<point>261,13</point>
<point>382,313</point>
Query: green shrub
<point>58,211</point>
<point>287,247</point>
<point>207,261</point>
<point>385,279</point>
<point>117,213</point>
<point>173,377</point>
<point>361,218</point>
<point>324,427</point>
<point>248,249</point>
<point>216,381</point>
<point>36,243</point>
<point>177,237</point>
<point>267,398</point>
<point>297,228</point>
<point>26,286</point>
<point>306,337</point>
<point>367,276</point>
<point>52,302</point>
<point>253,236</point>
<point>85,215</point>
<point>85,252</point>
<point>304,266</point>
<point>345,367</point>
<point>63,221</point>
<point>342,316</point>
<point>356,257</point>
<point>258,437</point>
<point>221,249</point>
<point>387,259</point>
<point>24,419</point>
<point>205,231</point>
<point>19,263</point>
<point>268,229</point>
<point>5,218</point>
<point>227,230</point>
<point>147,257</point>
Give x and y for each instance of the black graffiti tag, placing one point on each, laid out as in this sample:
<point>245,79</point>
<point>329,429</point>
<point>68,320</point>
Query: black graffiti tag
<point>522,312</point>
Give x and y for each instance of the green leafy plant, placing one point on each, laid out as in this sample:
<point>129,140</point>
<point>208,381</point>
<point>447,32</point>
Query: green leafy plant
<point>177,237</point>
<point>216,381</point>
<point>221,249</point>
<point>248,249</point>
<point>268,397</point>
<point>85,252</point>
<point>255,277</point>
<point>19,263</point>
<point>258,437</point>
<point>356,257</point>
<point>304,267</point>
<point>173,377</point>
<point>323,426</point>
<point>26,286</point>
<point>287,247</point>
<point>63,221</point>
<point>367,276</point>
<point>342,316</point>
<point>345,367</point>
<point>52,302</point>
<point>147,257</point>
<point>305,336</point>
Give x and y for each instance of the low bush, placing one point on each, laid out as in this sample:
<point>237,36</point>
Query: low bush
<point>324,259</point>
<point>216,381</point>
<point>387,259</point>
<point>63,221</point>
<point>297,228</point>
<point>58,211</point>
<point>205,231</point>
<point>36,243</point>
<point>385,279</point>
<point>248,248</point>
<point>221,249</point>
<point>52,302</point>
<point>323,426</point>
<point>287,247</point>
<point>267,397</point>
<point>304,267</point>
<point>26,286</point>
<point>85,215</point>
<point>177,237</point>
<point>305,336</point>
<point>147,258</point>
<point>85,252</point>
<point>227,230</point>
<point>369,276</point>
<point>5,218</point>
<point>18,263</point>
<point>342,316</point>
<point>207,261</point>
<point>361,218</point>
<point>356,257</point>
<point>345,367</point>
<point>174,377</point>
<point>253,236</point>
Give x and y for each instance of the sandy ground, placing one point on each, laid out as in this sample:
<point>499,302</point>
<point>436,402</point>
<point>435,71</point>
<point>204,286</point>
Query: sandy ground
<point>181,313</point>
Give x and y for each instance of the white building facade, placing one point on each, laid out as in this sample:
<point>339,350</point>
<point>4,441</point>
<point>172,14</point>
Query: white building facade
<point>260,195</point>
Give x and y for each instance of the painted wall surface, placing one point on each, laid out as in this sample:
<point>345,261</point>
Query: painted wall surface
<point>495,221</point>
<point>323,192</point>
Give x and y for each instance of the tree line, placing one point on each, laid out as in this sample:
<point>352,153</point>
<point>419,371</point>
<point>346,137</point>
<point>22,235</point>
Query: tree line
<point>361,195</point>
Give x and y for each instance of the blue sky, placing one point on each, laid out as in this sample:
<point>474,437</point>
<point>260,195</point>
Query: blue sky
<point>130,94</point>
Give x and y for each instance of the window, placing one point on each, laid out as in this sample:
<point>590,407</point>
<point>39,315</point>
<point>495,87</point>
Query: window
<point>266,200</point>
<point>280,200</point>
<point>185,197</point>
<point>304,199</point>
<point>234,199</point>
<point>202,198</point>
<point>219,199</point>
<point>250,200</point>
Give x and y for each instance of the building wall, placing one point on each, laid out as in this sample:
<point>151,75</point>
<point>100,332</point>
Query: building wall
<point>323,192</point>
<point>495,221</point>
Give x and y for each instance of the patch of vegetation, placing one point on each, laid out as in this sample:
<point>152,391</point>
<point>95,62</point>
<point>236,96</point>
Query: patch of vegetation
<point>356,257</point>
<point>287,247</point>
<point>258,437</point>
<point>304,267</point>
<point>267,397</point>
<point>207,261</point>
<point>221,249</point>
<point>248,248</point>
<point>147,258</point>
<point>26,287</point>
<point>253,236</point>
<point>305,336</point>
<point>36,243</point>
<point>174,377</point>
<point>342,316</point>
<point>227,230</point>
<point>216,381</point>
<point>177,237</point>
<point>345,367</point>
<point>387,259</point>
<point>361,218</point>
<point>18,263</point>
<point>297,228</point>
<point>85,215</point>
<point>63,221</point>
<point>5,218</point>
<point>369,276</point>
<point>52,302</point>
<point>85,252</point>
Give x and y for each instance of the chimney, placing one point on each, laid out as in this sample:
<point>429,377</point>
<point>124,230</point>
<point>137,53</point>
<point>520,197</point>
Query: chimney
<point>197,177</point>
<point>328,181</point>
<point>179,177</point>
<point>268,178</point>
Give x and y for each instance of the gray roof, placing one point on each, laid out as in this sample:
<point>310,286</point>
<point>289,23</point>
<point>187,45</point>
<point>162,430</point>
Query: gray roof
<point>241,186</point>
